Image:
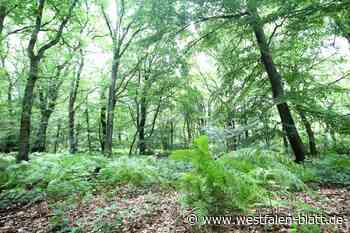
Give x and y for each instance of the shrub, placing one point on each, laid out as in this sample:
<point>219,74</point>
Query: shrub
<point>140,171</point>
<point>212,186</point>
<point>332,169</point>
<point>239,180</point>
<point>51,175</point>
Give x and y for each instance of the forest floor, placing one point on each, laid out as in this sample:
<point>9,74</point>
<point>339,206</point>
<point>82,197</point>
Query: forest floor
<point>130,209</point>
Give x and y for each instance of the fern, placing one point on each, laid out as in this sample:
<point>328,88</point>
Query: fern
<point>212,187</point>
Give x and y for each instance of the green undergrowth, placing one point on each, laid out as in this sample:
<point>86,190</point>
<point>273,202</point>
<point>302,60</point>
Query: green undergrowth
<point>59,176</point>
<point>236,182</point>
<point>241,180</point>
<point>331,169</point>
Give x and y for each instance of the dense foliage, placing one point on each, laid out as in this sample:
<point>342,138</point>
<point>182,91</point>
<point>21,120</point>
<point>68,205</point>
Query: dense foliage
<point>233,105</point>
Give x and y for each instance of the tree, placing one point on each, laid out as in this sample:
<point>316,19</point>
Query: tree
<point>48,95</point>
<point>276,84</point>
<point>33,74</point>
<point>122,36</point>
<point>71,105</point>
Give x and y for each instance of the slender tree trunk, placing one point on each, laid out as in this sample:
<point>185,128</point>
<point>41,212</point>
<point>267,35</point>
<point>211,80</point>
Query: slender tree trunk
<point>58,131</point>
<point>11,141</point>
<point>2,19</point>
<point>102,125</point>
<point>141,125</point>
<point>77,133</point>
<point>165,137</point>
<point>276,84</point>
<point>71,128</point>
<point>189,130</point>
<point>310,133</point>
<point>27,104</point>
<point>246,132</point>
<point>231,141</point>
<point>133,142</point>
<point>326,137</point>
<point>72,139</point>
<point>87,117</point>
<point>111,105</point>
<point>155,118</point>
<point>40,143</point>
<point>172,135</point>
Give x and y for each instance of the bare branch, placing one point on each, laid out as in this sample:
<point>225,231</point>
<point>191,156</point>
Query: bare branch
<point>108,22</point>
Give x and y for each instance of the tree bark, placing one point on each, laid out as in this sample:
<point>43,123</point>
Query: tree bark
<point>172,135</point>
<point>27,104</point>
<point>276,84</point>
<point>141,125</point>
<point>11,138</point>
<point>133,142</point>
<point>3,14</point>
<point>72,139</point>
<point>310,133</point>
<point>103,123</point>
<point>87,117</point>
<point>34,59</point>
<point>111,104</point>
<point>71,128</point>
<point>47,106</point>
<point>58,131</point>
<point>10,141</point>
<point>231,142</point>
<point>40,143</point>
<point>188,129</point>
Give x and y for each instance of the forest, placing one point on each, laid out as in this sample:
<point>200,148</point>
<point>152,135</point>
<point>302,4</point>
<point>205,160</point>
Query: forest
<point>169,116</point>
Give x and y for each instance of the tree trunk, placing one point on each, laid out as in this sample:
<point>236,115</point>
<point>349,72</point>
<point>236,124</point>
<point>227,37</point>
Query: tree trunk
<point>87,117</point>
<point>231,140</point>
<point>40,143</point>
<point>111,105</point>
<point>2,19</point>
<point>155,118</point>
<point>246,132</point>
<point>141,125</point>
<point>188,128</point>
<point>77,133</point>
<point>11,140</point>
<point>276,84</point>
<point>33,75</point>
<point>310,133</point>
<point>172,135</point>
<point>133,142</point>
<point>103,129</point>
<point>27,104</point>
<point>57,137</point>
<point>102,125</point>
<point>71,128</point>
<point>72,139</point>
